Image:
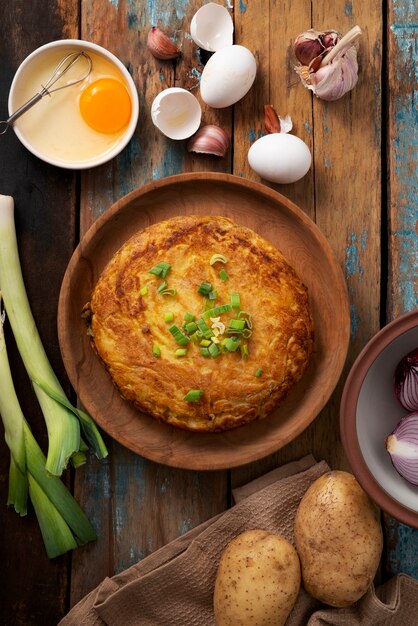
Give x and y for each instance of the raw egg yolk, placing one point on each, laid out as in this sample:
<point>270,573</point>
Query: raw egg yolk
<point>105,105</point>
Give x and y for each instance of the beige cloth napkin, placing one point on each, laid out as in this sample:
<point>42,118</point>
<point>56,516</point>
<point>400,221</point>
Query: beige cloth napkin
<point>174,585</point>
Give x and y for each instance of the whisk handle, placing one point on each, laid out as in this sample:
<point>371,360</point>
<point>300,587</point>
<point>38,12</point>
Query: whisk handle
<point>21,110</point>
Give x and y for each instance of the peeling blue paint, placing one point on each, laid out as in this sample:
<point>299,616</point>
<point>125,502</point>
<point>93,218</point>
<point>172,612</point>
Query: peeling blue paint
<point>186,525</point>
<point>324,119</point>
<point>352,258</point>
<point>403,557</point>
<point>114,3</point>
<point>132,18</point>
<point>348,8</point>
<point>405,153</point>
<point>326,162</point>
<point>354,320</point>
<point>242,6</point>
<point>160,16</point>
<point>252,136</point>
<point>172,162</point>
<point>307,127</point>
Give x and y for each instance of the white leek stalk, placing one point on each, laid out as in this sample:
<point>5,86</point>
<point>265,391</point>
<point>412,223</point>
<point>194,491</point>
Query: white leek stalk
<point>63,524</point>
<point>60,416</point>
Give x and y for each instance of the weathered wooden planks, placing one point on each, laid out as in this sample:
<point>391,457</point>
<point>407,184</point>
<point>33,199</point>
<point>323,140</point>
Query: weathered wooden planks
<point>136,505</point>
<point>345,206</point>
<point>33,589</point>
<point>402,555</point>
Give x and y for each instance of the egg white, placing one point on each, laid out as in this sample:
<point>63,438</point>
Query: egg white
<point>55,127</point>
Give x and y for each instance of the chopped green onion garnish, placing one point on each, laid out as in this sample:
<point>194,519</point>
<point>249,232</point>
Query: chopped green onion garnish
<point>156,350</point>
<point>205,343</point>
<point>258,372</point>
<point>247,317</point>
<point>181,352</point>
<point>191,328</point>
<point>193,395</point>
<point>213,295</point>
<point>204,352</point>
<point>217,310</point>
<point>143,291</point>
<point>246,333</point>
<point>223,275</point>
<point>217,258</point>
<point>179,335</point>
<point>232,344</point>
<point>214,350</point>
<point>237,324</point>
<point>204,329</point>
<point>244,350</point>
<point>161,269</point>
<point>168,292</point>
<point>162,286</point>
<point>235,300</point>
<point>196,337</point>
<point>189,317</point>
<point>169,316</point>
<point>205,289</point>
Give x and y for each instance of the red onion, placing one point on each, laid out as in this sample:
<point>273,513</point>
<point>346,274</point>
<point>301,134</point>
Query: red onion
<point>406,381</point>
<point>402,446</point>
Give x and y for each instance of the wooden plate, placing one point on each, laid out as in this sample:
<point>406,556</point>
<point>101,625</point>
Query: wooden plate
<point>276,219</point>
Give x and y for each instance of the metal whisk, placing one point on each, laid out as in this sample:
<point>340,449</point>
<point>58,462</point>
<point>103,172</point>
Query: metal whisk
<point>62,68</point>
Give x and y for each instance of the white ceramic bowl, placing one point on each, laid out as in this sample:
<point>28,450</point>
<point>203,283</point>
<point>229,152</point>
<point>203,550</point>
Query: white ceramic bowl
<point>370,412</point>
<point>32,64</point>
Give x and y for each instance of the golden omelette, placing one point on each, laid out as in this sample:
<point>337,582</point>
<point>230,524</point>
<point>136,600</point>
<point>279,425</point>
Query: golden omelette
<point>201,323</point>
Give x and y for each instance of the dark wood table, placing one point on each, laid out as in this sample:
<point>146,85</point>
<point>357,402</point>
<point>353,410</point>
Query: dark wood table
<point>361,192</point>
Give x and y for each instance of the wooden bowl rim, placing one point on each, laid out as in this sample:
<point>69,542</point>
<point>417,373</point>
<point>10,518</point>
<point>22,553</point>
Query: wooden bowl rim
<point>245,455</point>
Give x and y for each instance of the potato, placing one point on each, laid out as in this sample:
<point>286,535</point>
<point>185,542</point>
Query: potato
<point>338,538</point>
<point>258,581</point>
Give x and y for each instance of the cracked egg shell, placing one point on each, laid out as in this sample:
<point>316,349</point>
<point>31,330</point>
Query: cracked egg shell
<point>212,28</point>
<point>176,113</point>
<point>227,76</point>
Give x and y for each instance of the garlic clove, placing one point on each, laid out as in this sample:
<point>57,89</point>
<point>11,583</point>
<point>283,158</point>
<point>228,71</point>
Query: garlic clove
<point>271,119</point>
<point>160,45</point>
<point>212,27</point>
<point>312,44</point>
<point>176,113</point>
<point>210,139</point>
<point>274,123</point>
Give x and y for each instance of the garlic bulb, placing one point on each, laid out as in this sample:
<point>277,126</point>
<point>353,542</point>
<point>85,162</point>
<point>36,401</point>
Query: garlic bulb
<point>161,46</point>
<point>334,71</point>
<point>210,139</point>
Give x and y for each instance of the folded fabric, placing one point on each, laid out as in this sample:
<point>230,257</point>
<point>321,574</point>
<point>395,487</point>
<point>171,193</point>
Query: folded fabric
<point>174,586</point>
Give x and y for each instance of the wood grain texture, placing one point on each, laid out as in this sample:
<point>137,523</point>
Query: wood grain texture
<point>147,504</point>
<point>33,589</point>
<point>402,554</point>
<point>347,211</point>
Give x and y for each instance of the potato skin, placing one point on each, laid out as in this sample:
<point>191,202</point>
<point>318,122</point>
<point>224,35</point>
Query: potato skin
<point>338,538</point>
<point>258,581</point>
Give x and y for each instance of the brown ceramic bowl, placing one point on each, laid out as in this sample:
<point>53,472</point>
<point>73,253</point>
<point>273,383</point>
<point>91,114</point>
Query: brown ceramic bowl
<point>369,413</point>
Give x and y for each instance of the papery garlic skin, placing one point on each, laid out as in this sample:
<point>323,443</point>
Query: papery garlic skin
<point>210,139</point>
<point>160,45</point>
<point>332,81</point>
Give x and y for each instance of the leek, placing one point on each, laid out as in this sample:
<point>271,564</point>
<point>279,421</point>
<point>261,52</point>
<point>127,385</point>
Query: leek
<point>62,419</point>
<point>63,524</point>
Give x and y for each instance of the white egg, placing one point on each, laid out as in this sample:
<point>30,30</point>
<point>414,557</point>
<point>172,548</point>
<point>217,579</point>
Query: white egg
<point>212,27</point>
<point>280,158</point>
<point>227,76</point>
<point>176,113</point>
